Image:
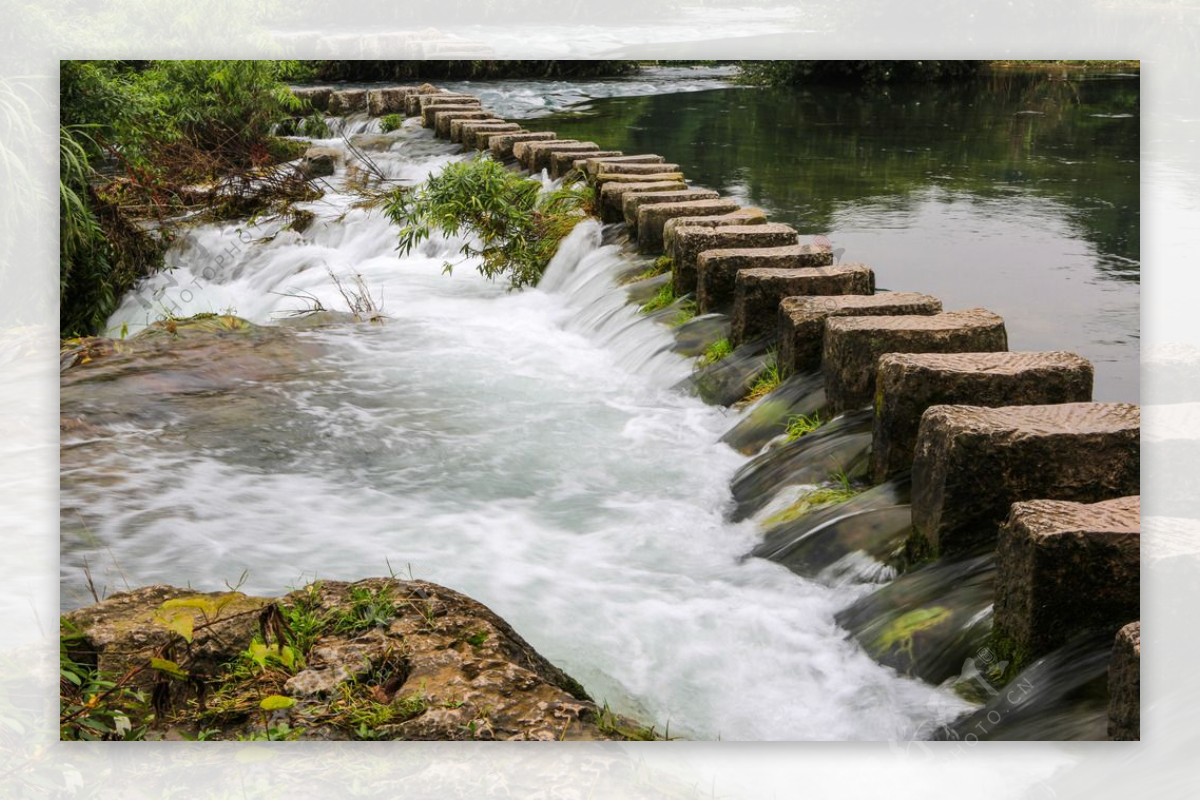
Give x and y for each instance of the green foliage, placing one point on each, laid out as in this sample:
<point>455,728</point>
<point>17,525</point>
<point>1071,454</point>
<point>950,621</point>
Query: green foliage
<point>519,227</point>
<point>363,70</point>
<point>800,424</point>
<point>687,310</point>
<point>315,127</point>
<point>797,73</point>
<point>95,707</point>
<point>613,725</point>
<point>820,497</point>
<point>390,122</point>
<point>715,352</point>
<point>368,609</point>
<point>661,300</point>
<point>767,381</point>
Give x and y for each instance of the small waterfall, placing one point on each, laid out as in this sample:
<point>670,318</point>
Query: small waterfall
<point>728,380</point>
<point>802,394</point>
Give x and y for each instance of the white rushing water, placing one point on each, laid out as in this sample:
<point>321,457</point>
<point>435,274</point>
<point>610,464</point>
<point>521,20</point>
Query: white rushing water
<point>522,448</point>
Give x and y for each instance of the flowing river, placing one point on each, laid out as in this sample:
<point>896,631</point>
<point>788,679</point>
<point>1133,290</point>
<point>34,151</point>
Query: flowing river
<point>526,449</point>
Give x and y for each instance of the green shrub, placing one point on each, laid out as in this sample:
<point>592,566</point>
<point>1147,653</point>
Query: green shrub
<point>390,122</point>
<point>794,73</point>
<point>519,226</point>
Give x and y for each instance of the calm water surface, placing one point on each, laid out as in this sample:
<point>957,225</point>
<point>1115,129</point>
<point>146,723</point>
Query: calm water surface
<point>1018,193</point>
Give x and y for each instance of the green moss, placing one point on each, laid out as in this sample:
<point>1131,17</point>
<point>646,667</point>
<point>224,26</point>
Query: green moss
<point>687,311</point>
<point>664,298</point>
<point>898,636</point>
<point>715,352</point>
<point>817,498</point>
<point>799,425</point>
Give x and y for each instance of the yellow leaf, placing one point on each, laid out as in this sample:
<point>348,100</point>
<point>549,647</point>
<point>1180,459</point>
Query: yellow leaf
<point>172,669</point>
<point>273,702</point>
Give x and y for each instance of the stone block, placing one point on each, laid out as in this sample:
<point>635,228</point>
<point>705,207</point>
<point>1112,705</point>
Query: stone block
<point>802,321</point>
<point>443,119</point>
<point>501,146</point>
<point>595,164</point>
<point>563,163</point>
<point>757,292</point>
<point>603,179</point>
<point>652,218</point>
<point>714,286</point>
<point>317,97</point>
<point>483,139</point>
<point>390,100</point>
<point>429,112</point>
<point>612,196</point>
<point>635,168</point>
<point>909,383</point>
<point>1125,685</point>
<point>535,156</point>
<point>347,101</point>
<point>632,202</point>
<point>973,463</point>
<point>853,345</point>
<point>1063,569</point>
<point>461,130</point>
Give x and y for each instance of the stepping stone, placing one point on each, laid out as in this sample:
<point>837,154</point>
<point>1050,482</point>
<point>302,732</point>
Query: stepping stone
<point>743,216</point>
<point>593,165</point>
<point>463,130</point>
<point>1065,568</point>
<point>802,321</point>
<point>634,168</point>
<point>603,179</point>
<point>715,282</point>
<point>501,146</point>
<point>613,195</point>
<point>483,139</point>
<point>853,345</point>
<point>1125,685</point>
<point>685,245</point>
<point>909,383</point>
<point>973,463</point>
<point>347,101</point>
<point>443,119</point>
<point>441,99</point>
<point>317,97</point>
<point>563,163</point>
<point>758,291</point>
<point>391,100</point>
<point>429,112</point>
<point>631,202</point>
<point>652,218</point>
<point>536,155</point>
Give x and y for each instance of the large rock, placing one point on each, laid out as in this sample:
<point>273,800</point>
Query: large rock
<point>383,659</point>
<point>430,111</point>
<point>715,285</point>
<point>563,163</point>
<point>600,180</point>
<point>347,101</point>
<point>802,321</point>
<point>853,345</point>
<point>758,291</point>
<point>319,162</point>
<point>972,463</point>
<point>1125,685</point>
<point>1063,569</point>
<point>501,146</point>
<point>651,218</point>
<point>909,383</point>
<point>612,196</point>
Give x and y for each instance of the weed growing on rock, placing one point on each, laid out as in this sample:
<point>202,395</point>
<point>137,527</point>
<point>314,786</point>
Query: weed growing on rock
<point>715,353</point>
<point>390,122</point>
<point>798,425</point>
<point>664,298</point>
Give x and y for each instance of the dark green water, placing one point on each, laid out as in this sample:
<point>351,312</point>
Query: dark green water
<point>1015,192</point>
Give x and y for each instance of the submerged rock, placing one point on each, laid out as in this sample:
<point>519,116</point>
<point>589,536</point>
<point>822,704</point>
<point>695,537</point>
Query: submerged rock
<point>375,659</point>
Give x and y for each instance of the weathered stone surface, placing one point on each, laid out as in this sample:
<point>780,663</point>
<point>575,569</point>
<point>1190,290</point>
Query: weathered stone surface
<point>536,155</point>
<point>1065,568</point>
<point>631,202</point>
<point>459,125</point>
<point>757,291</point>
<point>612,196</point>
<point>319,162</point>
<point>972,463</point>
<point>743,216</point>
<point>909,383</point>
<point>636,168</point>
<point>445,667</point>
<point>563,163</point>
<point>501,146</point>
<point>442,118</point>
<point>317,97</point>
<point>430,111</point>
<point>652,218</point>
<point>390,100</point>
<point>802,321</point>
<point>725,251</point>
<point>468,130</point>
<point>347,101</point>
<point>424,100</point>
<point>595,164</point>
<point>1125,685</point>
<point>603,179</point>
<point>853,345</point>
